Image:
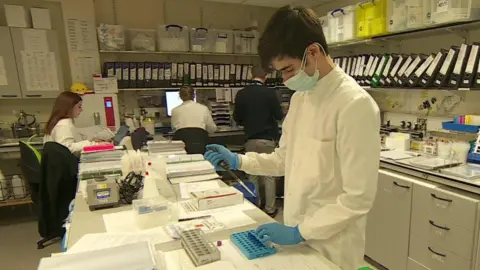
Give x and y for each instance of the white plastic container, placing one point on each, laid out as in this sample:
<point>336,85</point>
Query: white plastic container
<point>342,24</point>
<point>444,11</point>
<point>396,15</point>
<point>201,40</point>
<point>141,40</point>
<point>173,38</point>
<point>153,212</point>
<point>460,151</point>
<point>325,28</point>
<point>419,13</point>
<point>246,42</point>
<point>18,187</point>
<point>111,37</point>
<point>222,41</point>
<point>444,149</point>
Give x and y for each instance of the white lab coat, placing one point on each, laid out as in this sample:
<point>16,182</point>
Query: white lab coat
<point>193,115</point>
<point>329,153</point>
<point>65,133</point>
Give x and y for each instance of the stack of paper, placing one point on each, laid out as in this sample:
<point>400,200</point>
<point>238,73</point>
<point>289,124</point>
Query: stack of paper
<point>127,257</point>
<point>155,147</point>
<point>93,169</point>
<point>114,155</point>
<point>172,159</point>
<point>191,172</point>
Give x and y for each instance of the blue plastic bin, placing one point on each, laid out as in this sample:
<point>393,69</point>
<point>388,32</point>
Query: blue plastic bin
<point>460,127</point>
<point>247,194</point>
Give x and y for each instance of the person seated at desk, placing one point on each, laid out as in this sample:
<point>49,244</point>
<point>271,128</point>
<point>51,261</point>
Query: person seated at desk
<point>60,127</point>
<point>191,114</point>
<point>192,122</point>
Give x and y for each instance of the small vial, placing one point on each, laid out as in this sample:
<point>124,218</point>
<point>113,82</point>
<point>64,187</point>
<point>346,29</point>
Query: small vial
<point>219,243</point>
<point>146,173</point>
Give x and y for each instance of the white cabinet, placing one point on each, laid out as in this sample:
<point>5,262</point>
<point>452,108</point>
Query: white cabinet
<point>388,223</point>
<point>9,85</point>
<point>37,55</point>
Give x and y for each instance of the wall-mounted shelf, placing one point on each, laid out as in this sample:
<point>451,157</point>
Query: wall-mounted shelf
<point>196,88</point>
<point>178,53</point>
<point>451,27</point>
<point>379,89</point>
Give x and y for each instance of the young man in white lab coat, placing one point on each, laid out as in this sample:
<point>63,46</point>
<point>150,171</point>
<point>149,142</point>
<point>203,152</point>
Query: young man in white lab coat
<point>330,146</point>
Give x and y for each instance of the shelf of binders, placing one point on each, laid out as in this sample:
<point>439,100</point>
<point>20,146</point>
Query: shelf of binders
<point>412,33</point>
<point>179,53</point>
<point>174,88</point>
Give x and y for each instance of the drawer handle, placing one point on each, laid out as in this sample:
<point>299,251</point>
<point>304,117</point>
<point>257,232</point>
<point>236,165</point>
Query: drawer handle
<point>441,199</point>
<point>440,227</point>
<point>398,185</point>
<point>436,253</point>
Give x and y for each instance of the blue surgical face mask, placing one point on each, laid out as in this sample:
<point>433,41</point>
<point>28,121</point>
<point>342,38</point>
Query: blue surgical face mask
<point>301,81</point>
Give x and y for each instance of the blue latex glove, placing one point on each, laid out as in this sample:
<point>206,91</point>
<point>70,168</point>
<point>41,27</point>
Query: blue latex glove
<point>217,153</point>
<point>279,234</point>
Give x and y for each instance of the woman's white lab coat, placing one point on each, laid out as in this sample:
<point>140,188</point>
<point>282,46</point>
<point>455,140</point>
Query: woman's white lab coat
<point>65,133</point>
<point>329,153</point>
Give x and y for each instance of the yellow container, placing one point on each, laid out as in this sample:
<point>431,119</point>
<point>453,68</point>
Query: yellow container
<point>371,18</point>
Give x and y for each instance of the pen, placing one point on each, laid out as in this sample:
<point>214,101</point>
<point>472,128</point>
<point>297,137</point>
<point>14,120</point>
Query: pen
<point>193,218</point>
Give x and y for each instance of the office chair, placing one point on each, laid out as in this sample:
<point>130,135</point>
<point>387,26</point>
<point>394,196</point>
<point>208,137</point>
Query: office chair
<point>195,139</point>
<point>30,160</point>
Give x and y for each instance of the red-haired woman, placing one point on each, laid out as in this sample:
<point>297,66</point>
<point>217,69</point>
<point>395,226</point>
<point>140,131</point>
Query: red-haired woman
<point>60,126</point>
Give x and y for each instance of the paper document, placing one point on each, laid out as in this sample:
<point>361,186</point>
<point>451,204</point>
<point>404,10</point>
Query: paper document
<point>95,132</point>
<point>395,155</point>
<point>96,241</point>
<point>35,40</point>
<point>40,69</point>
<point>300,257</point>
<point>187,209</point>
<point>187,188</point>
<point>195,178</point>
<point>3,72</point>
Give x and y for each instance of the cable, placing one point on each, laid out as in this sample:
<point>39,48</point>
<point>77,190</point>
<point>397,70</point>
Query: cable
<point>129,187</point>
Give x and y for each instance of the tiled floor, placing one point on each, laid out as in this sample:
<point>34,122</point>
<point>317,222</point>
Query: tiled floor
<point>18,237</point>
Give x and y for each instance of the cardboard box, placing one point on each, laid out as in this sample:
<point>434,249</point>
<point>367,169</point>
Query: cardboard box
<point>216,198</point>
<point>41,18</point>
<point>17,16</point>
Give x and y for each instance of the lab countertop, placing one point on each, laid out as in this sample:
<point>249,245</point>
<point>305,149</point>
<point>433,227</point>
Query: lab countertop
<point>85,221</point>
<point>432,175</point>
<point>11,145</point>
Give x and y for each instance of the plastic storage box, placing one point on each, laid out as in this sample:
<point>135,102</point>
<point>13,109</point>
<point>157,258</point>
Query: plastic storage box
<point>201,40</point>
<point>460,127</point>
<point>153,212</point>
<point>141,40</point>
<point>396,15</point>
<point>246,42</point>
<point>222,41</point>
<point>444,11</point>
<point>173,38</point>
<point>325,28</point>
<point>419,13</point>
<point>111,37</point>
<point>371,18</point>
<point>342,24</point>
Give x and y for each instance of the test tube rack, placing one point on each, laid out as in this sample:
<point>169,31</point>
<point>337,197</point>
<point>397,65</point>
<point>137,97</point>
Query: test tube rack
<point>251,246</point>
<point>198,249</point>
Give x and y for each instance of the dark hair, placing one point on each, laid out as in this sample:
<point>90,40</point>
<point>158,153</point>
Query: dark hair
<point>258,72</point>
<point>288,33</point>
<point>62,109</point>
<point>187,93</point>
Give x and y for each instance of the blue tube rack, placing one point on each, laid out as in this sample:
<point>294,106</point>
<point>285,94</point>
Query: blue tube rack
<point>250,245</point>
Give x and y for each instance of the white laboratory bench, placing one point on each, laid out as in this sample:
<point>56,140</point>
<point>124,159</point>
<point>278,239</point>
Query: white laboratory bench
<point>424,220</point>
<point>85,221</point>
<point>11,145</point>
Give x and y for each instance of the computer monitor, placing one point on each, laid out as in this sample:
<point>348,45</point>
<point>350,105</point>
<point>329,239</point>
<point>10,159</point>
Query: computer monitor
<point>173,101</point>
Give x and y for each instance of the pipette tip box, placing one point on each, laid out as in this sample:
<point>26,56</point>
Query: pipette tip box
<point>251,246</point>
<point>198,249</point>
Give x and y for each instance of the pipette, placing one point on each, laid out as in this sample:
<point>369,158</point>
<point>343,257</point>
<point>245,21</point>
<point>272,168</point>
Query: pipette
<point>225,166</point>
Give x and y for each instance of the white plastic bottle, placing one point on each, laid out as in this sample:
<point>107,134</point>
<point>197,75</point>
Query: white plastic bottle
<point>18,187</point>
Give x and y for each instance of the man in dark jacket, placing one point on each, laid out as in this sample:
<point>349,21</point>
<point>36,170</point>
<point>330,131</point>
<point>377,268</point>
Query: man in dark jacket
<point>258,109</point>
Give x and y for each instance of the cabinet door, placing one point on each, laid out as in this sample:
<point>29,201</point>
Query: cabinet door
<point>9,85</point>
<point>38,60</point>
<point>388,223</point>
